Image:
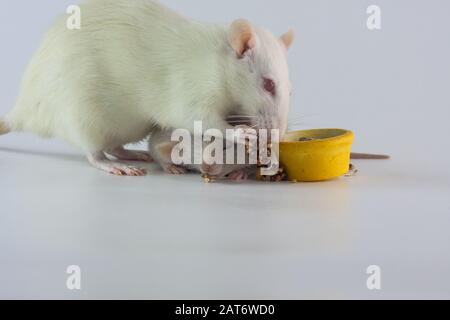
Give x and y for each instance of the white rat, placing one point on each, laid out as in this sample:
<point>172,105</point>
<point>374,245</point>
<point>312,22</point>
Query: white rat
<point>135,65</point>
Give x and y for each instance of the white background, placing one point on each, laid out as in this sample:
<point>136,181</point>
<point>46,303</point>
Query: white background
<point>175,237</point>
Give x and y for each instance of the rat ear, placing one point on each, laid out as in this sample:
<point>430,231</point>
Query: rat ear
<point>288,38</point>
<point>242,36</point>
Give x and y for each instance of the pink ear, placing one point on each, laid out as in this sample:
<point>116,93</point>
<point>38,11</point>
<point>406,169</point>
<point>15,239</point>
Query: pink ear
<point>242,37</point>
<point>288,38</point>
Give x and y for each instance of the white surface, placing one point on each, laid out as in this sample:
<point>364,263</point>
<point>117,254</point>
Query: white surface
<point>175,237</point>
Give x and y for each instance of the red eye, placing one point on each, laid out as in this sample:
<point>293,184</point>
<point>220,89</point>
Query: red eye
<point>269,86</point>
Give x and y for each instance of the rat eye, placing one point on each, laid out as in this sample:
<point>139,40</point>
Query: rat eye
<point>269,86</point>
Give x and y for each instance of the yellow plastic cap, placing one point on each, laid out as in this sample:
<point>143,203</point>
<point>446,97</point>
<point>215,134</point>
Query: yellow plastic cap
<point>325,157</point>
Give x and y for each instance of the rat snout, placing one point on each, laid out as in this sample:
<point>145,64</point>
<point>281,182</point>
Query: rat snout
<point>271,120</point>
<point>276,116</point>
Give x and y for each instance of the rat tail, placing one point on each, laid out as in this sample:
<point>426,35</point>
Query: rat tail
<point>4,127</point>
<point>368,156</point>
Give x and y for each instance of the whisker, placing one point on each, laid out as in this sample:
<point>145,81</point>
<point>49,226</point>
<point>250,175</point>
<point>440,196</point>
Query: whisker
<point>240,116</point>
<point>297,123</point>
<point>237,120</point>
<point>246,124</point>
<point>242,125</point>
<point>297,116</point>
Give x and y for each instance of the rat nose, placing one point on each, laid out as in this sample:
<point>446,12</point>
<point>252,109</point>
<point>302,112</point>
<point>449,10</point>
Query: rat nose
<point>269,121</point>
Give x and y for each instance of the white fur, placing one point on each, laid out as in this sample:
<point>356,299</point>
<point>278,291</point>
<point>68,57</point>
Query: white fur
<point>136,64</point>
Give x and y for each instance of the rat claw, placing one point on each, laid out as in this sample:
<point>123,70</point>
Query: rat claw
<point>144,172</point>
<point>116,172</point>
<point>138,171</point>
<point>176,170</point>
<point>238,175</point>
<point>99,161</point>
<point>133,172</point>
<point>212,169</point>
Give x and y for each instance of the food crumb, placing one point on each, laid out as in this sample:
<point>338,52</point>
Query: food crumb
<point>352,171</point>
<point>280,176</point>
<point>207,178</point>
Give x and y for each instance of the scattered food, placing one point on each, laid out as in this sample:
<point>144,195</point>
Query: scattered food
<point>352,171</point>
<point>207,178</point>
<point>304,139</point>
<point>280,176</point>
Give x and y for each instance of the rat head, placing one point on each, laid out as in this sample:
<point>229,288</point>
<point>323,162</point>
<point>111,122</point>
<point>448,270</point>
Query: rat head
<point>259,79</point>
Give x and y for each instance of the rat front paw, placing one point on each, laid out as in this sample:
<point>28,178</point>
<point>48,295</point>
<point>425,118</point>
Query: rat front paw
<point>247,136</point>
<point>238,175</point>
<point>212,170</point>
<point>175,170</point>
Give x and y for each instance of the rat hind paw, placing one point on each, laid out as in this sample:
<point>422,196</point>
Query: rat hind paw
<point>99,161</point>
<point>173,169</point>
<point>130,155</point>
<point>123,170</point>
